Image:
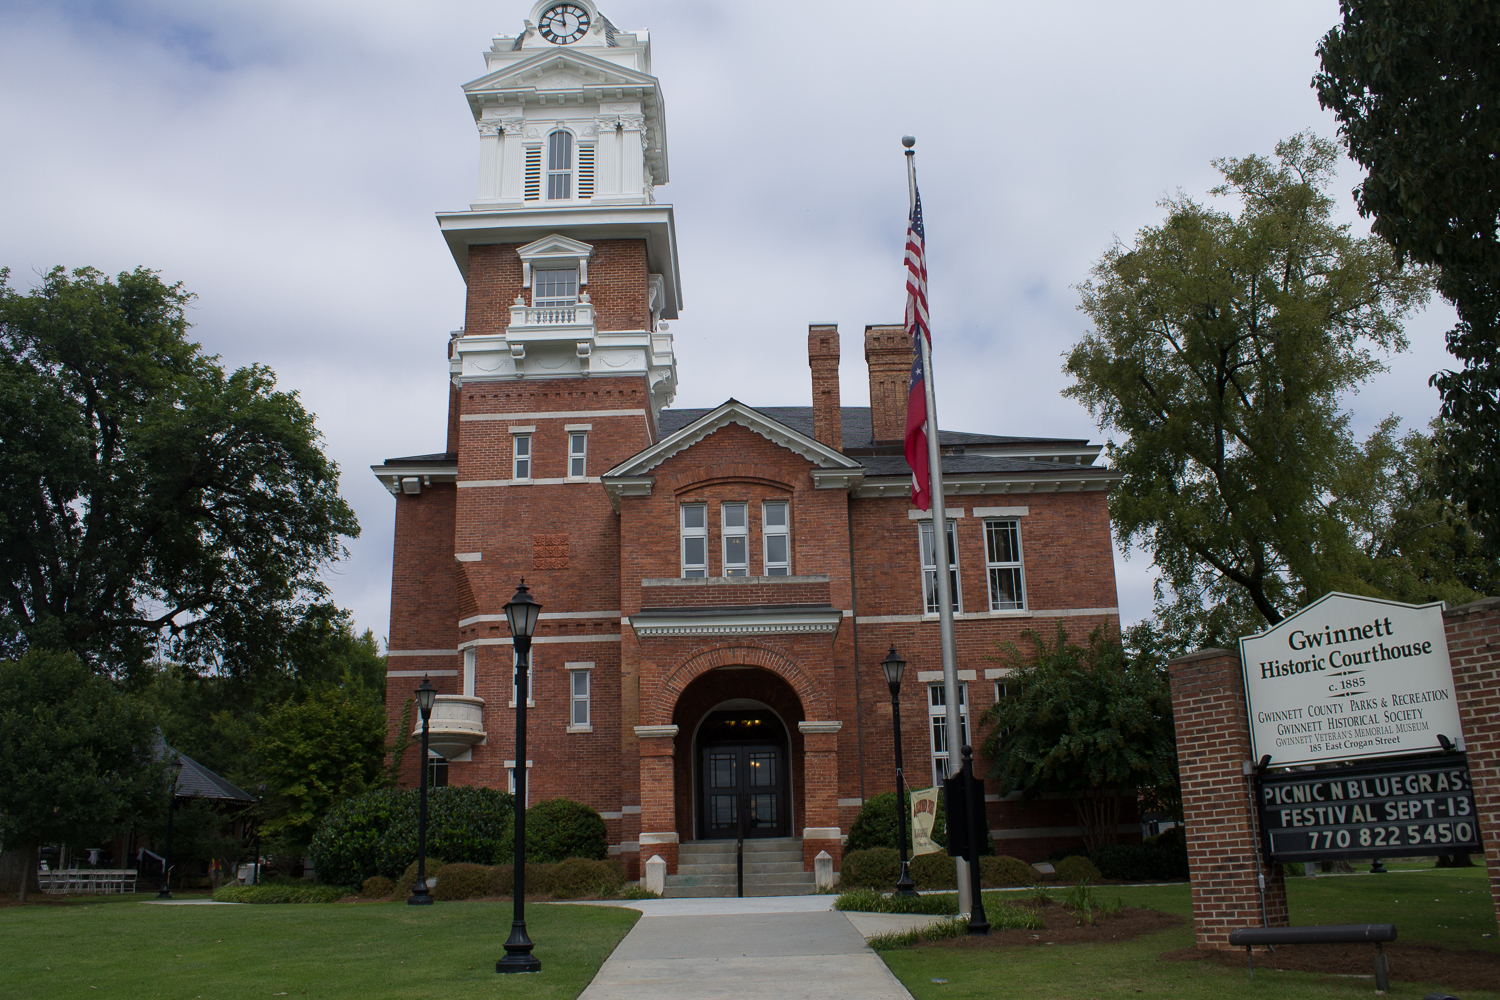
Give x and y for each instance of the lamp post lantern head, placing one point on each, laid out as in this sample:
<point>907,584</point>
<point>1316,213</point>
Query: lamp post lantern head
<point>521,611</point>
<point>894,667</point>
<point>426,695</point>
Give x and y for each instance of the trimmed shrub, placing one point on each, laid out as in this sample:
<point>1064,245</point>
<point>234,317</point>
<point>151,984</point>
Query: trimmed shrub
<point>875,901</point>
<point>538,879</point>
<point>558,829</point>
<point>873,867</point>
<point>378,887</point>
<point>1077,869</point>
<point>934,871</point>
<point>1142,862</point>
<point>875,826</point>
<point>408,878</point>
<point>376,833</point>
<point>1005,872</point>
<point>577,877</point>
<point>462,880</point>
<point>281,893</point>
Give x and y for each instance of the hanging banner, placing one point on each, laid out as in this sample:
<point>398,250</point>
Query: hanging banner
<point>1350,678</point>
<point>1380,810</point>
<point>923,815</point>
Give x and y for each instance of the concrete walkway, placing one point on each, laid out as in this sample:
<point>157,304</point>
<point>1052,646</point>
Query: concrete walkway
<point>781,947</point>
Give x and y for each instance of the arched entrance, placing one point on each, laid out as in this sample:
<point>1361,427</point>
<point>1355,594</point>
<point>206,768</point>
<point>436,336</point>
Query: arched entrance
<point>738,750</point>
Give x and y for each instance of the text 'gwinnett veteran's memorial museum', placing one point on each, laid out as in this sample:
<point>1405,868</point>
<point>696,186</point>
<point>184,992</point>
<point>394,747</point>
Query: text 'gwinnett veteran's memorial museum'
<point>719,585</point>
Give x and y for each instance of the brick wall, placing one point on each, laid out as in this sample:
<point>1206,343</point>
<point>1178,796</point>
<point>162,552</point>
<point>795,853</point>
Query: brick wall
<point>823,358</point>
<point>1473,633</point>
<point>617,286</point>
<point>888,355</point>
<point>1213,742</point>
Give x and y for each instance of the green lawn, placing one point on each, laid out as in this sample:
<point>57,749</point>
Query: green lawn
<point>1448,907</point>
<point>124,947</point>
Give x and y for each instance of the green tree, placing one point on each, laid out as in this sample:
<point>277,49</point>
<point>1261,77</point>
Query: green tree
<point>75,757</point>
<point>148,498</point>
<point>315,753</point>
<point>1416,88</point>
<point>1222,345</point>
<point>1088,721</point>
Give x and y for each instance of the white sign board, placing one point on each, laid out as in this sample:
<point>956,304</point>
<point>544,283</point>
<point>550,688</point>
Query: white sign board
<point>1350,678</point>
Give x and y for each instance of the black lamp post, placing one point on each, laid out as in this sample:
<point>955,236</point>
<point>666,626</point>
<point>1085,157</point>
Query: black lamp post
<point>521,612</point>
<point>420,896</point>
<point>894,667</point>
<point>165,892</point>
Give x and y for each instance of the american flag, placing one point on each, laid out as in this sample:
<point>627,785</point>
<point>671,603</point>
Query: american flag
<point>916,322</point>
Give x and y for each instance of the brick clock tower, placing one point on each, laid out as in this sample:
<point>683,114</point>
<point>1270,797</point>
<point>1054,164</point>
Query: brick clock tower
<point>718,585</point>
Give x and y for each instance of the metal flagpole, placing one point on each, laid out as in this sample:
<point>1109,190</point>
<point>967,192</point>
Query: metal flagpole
<point>953,718</point>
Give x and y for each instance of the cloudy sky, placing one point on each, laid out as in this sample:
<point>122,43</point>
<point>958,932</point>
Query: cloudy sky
<point>283,159</point>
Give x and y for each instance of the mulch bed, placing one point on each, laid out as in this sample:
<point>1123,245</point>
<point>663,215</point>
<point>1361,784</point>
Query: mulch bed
<point>1413,963</point>
<point>1063,928</point>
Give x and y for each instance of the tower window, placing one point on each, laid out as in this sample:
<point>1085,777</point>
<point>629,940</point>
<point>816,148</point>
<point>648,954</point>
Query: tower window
<point>555,288</point>
<point>559,166</point>
<point>533,181</point>
<point>585,171</point>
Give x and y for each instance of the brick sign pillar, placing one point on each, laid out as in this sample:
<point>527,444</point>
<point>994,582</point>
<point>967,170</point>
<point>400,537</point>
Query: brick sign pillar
<point>1473,633</point>
<point>658,798</point>
<point>1213,742</point>
<point>820,775</point>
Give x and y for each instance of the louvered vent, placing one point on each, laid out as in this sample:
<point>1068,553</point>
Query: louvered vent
<point>533,184</point>
<point>585,171</point>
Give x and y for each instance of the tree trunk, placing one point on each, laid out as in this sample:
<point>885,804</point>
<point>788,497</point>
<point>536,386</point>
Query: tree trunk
<point>18,871</point>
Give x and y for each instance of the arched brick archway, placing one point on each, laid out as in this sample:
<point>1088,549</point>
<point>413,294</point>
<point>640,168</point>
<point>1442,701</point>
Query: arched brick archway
<point>814,702</point>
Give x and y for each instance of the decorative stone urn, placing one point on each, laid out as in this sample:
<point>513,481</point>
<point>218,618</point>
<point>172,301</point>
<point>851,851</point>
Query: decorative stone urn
<point>457,724</point>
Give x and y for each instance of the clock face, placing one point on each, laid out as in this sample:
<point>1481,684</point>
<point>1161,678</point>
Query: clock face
<point>563,23</point>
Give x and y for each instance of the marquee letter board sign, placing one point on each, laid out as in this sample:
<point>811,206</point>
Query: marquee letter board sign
<point>1382,810</point>
<point>1350,678</point>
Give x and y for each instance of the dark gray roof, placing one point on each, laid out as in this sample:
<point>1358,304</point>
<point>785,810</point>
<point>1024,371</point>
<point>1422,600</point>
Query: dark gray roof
<point>448,457</point>
<point>195,781</point>
<point>857,433</point>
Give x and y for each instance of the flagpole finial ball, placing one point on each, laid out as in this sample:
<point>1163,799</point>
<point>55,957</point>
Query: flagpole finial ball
<point>908,141</point>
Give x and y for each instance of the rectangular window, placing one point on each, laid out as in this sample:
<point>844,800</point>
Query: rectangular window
<point>929,568</point>
<point>777,540</point>
<point>554,287</point>
<point>578,454</point>
<point>559,166</point>
<point>470,656</point>
<point>1002,548</point>
<point>694,540</point>
<point>937,715</point>
<point>736,539</point>
<point>437,770</point>
<point>522,455</point>
<point>579,685</point>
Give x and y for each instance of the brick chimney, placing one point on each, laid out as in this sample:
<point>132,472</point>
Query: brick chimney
<point>888,354</point>
<point>823,358</point>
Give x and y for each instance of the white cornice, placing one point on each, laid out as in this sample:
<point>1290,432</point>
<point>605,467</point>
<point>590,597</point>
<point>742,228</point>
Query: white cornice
<point>1062,480</point>
<point>780,622</point>
<point>734,412</point>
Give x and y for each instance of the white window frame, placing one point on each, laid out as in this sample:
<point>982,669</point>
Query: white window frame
<point>993,568</point>
<point>937,717</point>
<point>436,760</point>
<point>578,454</point>
<point>515,664</point>
<point>577,671</point>
<point>692,570</point>
<point>522,456</point>
<point>510,773</point>
<point>929,569</point>
<point>471,657</point>
<point>538,281</point>
<point>740,531</point>
<point>563,174</point>
<point>782,530</point>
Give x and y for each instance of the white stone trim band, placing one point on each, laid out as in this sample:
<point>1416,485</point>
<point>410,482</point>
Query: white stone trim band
<point>559,415</point>
<point>974,616</point>
<point>421,673</point>
<point>811,728</point>
<point>658,838</point>
<point>821,833</point>
<point>1022,511</point>
<point>421,652</point>
<point>912,514</point>
<point>937,675</point>
<point>656,732</point>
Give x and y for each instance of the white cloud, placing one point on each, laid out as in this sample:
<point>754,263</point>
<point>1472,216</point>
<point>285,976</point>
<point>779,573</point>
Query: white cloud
<point>284,161</point>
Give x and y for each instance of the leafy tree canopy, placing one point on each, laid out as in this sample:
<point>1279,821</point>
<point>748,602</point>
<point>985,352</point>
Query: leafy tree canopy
<point>1222,347</point>
<point>150,500</point>
<point>75,755</point>
<point>1416,88</point>
<point>1090,721</point>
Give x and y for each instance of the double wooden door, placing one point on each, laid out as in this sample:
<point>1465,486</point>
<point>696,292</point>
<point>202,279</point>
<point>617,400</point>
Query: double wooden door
<point>744,781</point>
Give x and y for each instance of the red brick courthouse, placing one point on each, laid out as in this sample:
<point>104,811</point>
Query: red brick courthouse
<point>718,585</point>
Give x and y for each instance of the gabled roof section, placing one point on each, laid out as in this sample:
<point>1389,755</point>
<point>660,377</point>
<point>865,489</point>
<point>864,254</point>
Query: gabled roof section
<point>558,72</point>
<point>195,781</point>
<point>732,411</point>
<point>555,245</point>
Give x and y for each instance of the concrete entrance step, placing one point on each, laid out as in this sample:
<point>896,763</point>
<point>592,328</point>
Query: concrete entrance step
<point>773,867</point>
<point>751,868</point>
<point>720,892</point>
<point>788,878</point>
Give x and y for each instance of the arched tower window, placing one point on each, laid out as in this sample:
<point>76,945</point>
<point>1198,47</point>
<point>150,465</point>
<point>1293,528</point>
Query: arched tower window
<point>560,166</point>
